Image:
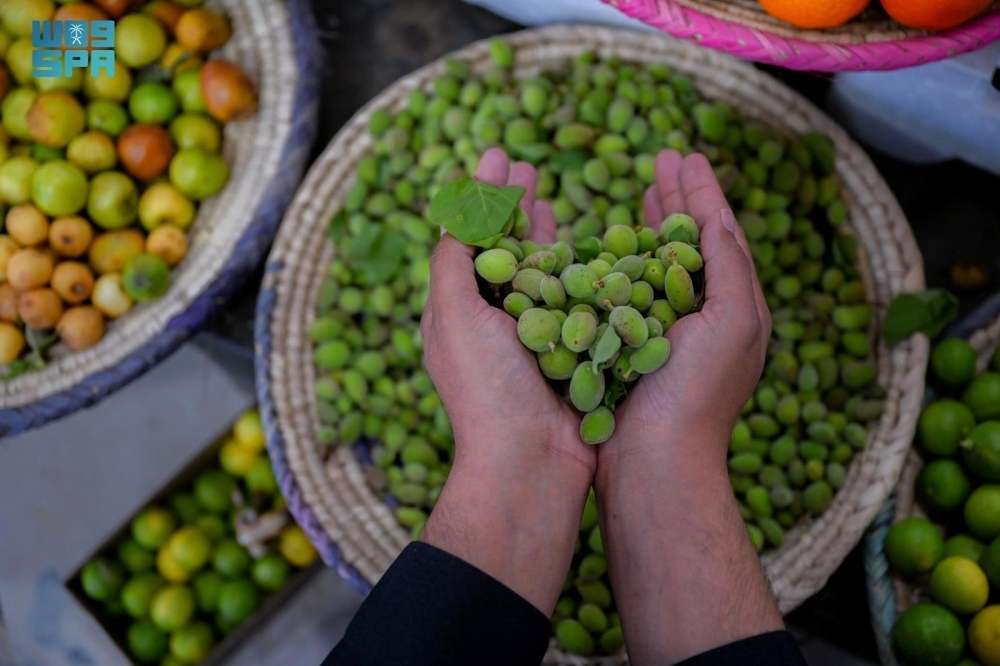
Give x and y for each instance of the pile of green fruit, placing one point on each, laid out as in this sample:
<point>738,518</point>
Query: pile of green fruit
<point>101,176</point>
<point>959,489</point>
<point>195,566</point>
<point>592,127</point>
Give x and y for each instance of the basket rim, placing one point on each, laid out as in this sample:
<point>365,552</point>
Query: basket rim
<point>882,586</point>
<point>809,51</point>
<point>246,254</point>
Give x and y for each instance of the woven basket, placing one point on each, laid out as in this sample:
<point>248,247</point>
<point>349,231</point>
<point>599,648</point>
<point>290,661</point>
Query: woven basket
<point>889,595</point>
<point>327,491</point>
<point>276,43</point>
<point>870,42</point>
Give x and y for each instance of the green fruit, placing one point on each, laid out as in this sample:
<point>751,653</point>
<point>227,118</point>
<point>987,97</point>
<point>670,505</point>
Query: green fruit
<point>586,388</point>
<point>679,289</point>
<point>496,266</point>
<point>528,282</point>
<point>153,103</point>
<point>515,303</point>
<point>913,546</point>
<point>146,642</point>
<point>552,291</point>
<point>630,325</point>
<point>677,252</point>
<point>101,579</point>
<point>189,548</point>
<point>134,557</point>
<point>538,329</point>
<point>192,643</point>
<point>631,265</point>
<point>207,585</point>
<point>14,110</point>
<point>214,491</point>
<point>982,511</point>
<point>187,88</point>
<point>597,426</point>
<point>197,173</point>
<point>981,451</point>
<point>137,595</point>
<point>960,585</point>
<point>679,227</point>
<point>963,545</point>
<point>146,277</point>
<point>152,527</point>
<point>953,362</point>
<point>113,201</point>
<point>107,116</point>
<point>942,485</point>
<point>230,559</point>
<point>59,188</point>
<point>983,396</point>
<point>651,356</point>
<point>543,260</point>
<point>613,289</point>
<point>238,599</point>
<point>270,572</point>
<point>139,40</point>
<point>574,637</point>
<point>579,331</point>
<point>557,364</point>
<point>620,240</point>
<point>943,425</point>
<point>172,607</point>
<point>662,312</point>
<point>190,130</point>
<point>928,635</point>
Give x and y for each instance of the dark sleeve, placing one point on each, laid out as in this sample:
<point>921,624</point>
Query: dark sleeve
<point>433,608</point>
<point>777,648</point>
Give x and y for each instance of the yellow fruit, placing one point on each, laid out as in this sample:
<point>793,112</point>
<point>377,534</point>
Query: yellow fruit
<point>11,342</point>
<point>81,327</point>
<point>294,546</point>
<point>27,225</point>
<point>235,459</point>
<point>168,242</point>
<point>169,568</point>
<point>249,432</point>
<point>109,296</point>
<point>984,636</point>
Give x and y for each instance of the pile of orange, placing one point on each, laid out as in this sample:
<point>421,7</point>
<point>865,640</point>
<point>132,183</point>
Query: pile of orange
<point>920,14</point>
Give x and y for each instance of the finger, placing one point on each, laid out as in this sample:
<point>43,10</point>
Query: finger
<point>651,209</point>
<point>453,276</point>
<point>494,167</point>
<point>523,174</point>
<point>763,312</point>
<point>543,224</point>
<point>703,196</point>
<point>668,183</point>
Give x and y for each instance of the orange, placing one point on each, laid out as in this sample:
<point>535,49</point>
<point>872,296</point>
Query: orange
<point>815,14</point>
<point>934,14</point>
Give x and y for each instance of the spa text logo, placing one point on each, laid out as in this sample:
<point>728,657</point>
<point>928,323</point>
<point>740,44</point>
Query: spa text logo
<point>64,46</point>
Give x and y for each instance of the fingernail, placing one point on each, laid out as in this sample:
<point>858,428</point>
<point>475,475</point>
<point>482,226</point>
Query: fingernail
<point>443,231</point>
<point>728,220</point>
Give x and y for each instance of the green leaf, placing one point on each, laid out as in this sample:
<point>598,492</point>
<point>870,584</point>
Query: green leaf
<point>338,223</point>
<point>375,254</point>
<point>679,234</point>
<point>614,394</point>
<point>926,312</point>
<point>606,348</point>
<point>587,249</point>
<point>474,212</point>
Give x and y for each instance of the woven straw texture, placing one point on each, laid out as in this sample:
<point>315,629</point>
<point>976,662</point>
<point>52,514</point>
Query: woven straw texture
<point>327,491</point>
<point>889,595</point>
<point>276,43</point>
<point>870,42</point>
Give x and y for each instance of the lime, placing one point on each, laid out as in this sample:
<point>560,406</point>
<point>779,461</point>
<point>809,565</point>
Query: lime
<point>152,527</point>
<point>294,546</point>
<point>928,635</point>
<point>984,636</point>
<point>168,567</point>
<point>963,545</point>
<point>214,491</point>
<point>942,485</point>
<point>192,643</point>
<point>249,432</point>
<point>981,451</point>
<point>172,607</point>
<point>139,40</point>
<point>138,593</point>
<point>989,560</point>
<point>270,572</point>
<point>237,600</point>
<point>146,277</point>
<point>153,104</point>
<point>231,559</point>
<point>942,426</point>
<point>107,116</point>
<point>982,511</point>
<point>146,642</point>
<point>235,459</point>
<point>185,507</point>
<point>983,396</point>
<point>171,660</point>
<point>953,361</point>
<point>190,548</point>
<point>101,578</point>
<point>211,526</point>
<point>260,478</point>
<point>913,546</point>
<point>187,87</point>
<point>206,590</point>
<point>135,558</point>
<point>959,584</point>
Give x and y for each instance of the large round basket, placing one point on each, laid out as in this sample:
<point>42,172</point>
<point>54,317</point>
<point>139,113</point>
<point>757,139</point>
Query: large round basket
<point>276,43</point>
<point>327,491</point>
<point>870,42</point>
<point>889,595</point>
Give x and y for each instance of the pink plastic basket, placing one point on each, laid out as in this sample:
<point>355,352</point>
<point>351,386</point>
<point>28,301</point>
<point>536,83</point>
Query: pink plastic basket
<point>871,42</point>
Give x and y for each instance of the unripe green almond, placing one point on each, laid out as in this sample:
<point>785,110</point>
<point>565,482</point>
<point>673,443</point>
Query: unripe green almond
<point>679,288</point>
<point>683,254</point>
<point>558,313</point>
<point>515,303</point>
<point>622,367</point>
<point>586,388</point>
<point>630,325</point>
<point>654,327</point>
<point>620,240</point>
<point>632,266</point>
<point>522,224</point>
<point>528,281</point>
<point>558,363</point>
<point>542,260</point>
<point>579,331</point>
<point>600,267</point>
<point>662,312</point>
<point>578,280</point>
<point>597,426</point>
<point>496,266</point>
<point>681,221</point>
<point>654,272</point>
<point>564,256</point>
<point>651,356</point>
<point>552,291</point>
<point>538,329</point>
<point>583,307</point>
<point>642,296</point>
<point>613,290</point>
<point>574,637</point>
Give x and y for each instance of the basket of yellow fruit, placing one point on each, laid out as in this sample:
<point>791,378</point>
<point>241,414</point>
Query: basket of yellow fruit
<point>932,556</point>
<point>827,35</point>
<point>142,177</point>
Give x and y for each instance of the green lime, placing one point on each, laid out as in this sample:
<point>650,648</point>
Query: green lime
<point>146,642</point>
<point>146,277</point>
<point>107,116</point>
<point>191,643</point>
<point>152,527</point>
<point>214,491</point>
<point>185,507</point>
<point>959,584</point>
<point>913,546</point>
<point>237,460</point>
<point>172,607</point>
<point>990,562</point>
<point>982,511</point>
<point>231,559</point>
<point>171,660</point>
<point>260,478</point>
<point>248,431</point>
<point>963,545</point>
<point>953,361</point>
<point>942,485</point>
<point>190,548</point>
<point>187,87</point>
<point>138,594</point>
<point>270,572</point>
<point>153,103</point>
<point>206,590</point>
<point>928,635</point>
<point>211,526</point>
<point>943,425</point>
<point>135,558</point>
<point>101,579</point>
<point>983,396</point>
<point>237,600</point>
<point>981,451</point>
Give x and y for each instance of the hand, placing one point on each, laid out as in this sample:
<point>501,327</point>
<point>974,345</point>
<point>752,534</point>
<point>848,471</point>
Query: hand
<point>514,497</point>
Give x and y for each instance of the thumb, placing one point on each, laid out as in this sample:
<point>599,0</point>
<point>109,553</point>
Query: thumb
<point>728,272</point>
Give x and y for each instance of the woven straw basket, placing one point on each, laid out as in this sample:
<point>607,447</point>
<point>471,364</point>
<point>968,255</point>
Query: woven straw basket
<point>889,595</point>
<point>870,42</point>
<point>276,43</point>
<point>326,490</point>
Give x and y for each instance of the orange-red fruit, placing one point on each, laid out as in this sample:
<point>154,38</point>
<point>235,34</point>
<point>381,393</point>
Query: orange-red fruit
<point>80,11</point>
<point>815,14</point>
<point>934,14</point>
<point>145,151</point>
<point>115,8</point>
<point>202,30</point>
<point>228,92</point>
<point>8,303</point>
<point>167,13</point>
